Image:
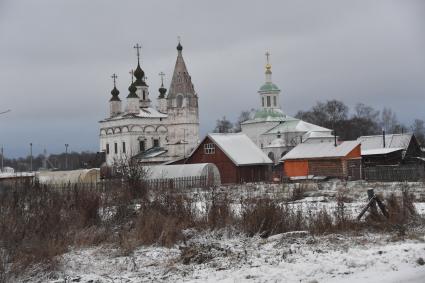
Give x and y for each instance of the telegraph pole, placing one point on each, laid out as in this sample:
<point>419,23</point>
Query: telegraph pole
<point>30,156</point>
<point>66,156</point>
<point>2,158</point>
<point>2,167</point>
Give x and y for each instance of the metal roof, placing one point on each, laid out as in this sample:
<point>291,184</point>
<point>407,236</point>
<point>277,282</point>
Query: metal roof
<point>240,148</point>
<point>321,150</point>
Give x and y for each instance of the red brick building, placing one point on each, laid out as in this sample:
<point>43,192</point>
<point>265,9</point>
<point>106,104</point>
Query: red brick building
<point>237,158</point>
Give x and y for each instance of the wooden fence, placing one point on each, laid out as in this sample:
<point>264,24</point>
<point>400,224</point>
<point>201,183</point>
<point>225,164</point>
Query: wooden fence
<point>400,173</point>
<point>173,183</point>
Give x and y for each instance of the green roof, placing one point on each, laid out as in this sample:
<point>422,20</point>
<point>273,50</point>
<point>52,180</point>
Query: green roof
<point>264,113</point>
<point>269,87</point>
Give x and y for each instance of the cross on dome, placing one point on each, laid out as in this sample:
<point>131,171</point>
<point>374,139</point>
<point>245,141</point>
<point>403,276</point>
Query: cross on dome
<point>138,47</point>
<point>162,75</point>
<point>114,77</point>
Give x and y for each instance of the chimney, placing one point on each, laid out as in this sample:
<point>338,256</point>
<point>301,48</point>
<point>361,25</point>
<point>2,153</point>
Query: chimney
<point>383,137</point>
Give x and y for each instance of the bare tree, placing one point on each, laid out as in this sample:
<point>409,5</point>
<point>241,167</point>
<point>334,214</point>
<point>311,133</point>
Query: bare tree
<point>244,116</point>
<point>223,126</point>
<point>389,120</point>
<point>418,128</point>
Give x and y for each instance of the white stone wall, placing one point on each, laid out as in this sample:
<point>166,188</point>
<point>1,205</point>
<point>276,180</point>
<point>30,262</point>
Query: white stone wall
<point>131,131</point>
<point>255,130</point>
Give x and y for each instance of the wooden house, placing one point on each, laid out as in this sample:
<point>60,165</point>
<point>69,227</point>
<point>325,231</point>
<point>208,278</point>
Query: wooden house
<point>394,149</point>
<point>324,159</point>
<point>237,158</point>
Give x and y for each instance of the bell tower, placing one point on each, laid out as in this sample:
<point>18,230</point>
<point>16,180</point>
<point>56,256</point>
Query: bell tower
<point>182,108</point>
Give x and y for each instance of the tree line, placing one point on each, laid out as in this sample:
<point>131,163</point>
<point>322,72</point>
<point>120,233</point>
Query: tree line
<point>347,123</point>
<point>62,161</point>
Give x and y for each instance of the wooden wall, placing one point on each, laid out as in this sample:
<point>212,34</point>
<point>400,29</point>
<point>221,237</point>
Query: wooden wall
<point>229,172</point>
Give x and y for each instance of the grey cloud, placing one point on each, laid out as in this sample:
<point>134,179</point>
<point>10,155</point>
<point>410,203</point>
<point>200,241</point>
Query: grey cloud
<point>56,58</point>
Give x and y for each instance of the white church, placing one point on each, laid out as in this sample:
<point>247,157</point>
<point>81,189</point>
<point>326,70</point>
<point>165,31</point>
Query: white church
<point>152,134</point>
<point>275,132</point>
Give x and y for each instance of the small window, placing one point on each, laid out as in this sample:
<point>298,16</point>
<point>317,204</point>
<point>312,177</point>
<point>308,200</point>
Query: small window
<point>142,146</point>
<point>156,143</point>
<point>107,148</point>
<point>209,148</point>
<point>179,101</point>
<point>268,101</point>
<point>144,95</point>
<point>274,101</point>
<point>123,147</point>
<point>262,98</point>
<point>116,148</point>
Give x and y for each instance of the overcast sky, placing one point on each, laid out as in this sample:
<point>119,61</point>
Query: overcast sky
<point>56,59</point>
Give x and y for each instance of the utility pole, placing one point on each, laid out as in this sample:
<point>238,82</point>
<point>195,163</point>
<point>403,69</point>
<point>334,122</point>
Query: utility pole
<point>30,156</point>
<point>66,156</point>
<point>2,167</point>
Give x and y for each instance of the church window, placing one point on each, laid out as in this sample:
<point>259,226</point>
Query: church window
<point>209,148</point>
<point>107,148</point>
<point>156,143</point>
<point>262,100</point>
<point>179,101</point>
<point>274,101</point>
<point>115,148</point>
<point>123,147</point>
<point>268,101</point>
<point>142,146</point>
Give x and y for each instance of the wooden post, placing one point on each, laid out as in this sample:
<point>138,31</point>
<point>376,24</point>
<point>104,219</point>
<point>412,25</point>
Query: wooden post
<point>370,196</point>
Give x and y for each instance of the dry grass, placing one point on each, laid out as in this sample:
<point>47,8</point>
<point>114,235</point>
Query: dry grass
<point>39,222</point>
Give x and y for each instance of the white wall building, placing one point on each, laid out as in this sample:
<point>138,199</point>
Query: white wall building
<point>152,134</point>
<point>273,131</point>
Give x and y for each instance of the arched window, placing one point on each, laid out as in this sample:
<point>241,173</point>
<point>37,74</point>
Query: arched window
<point>179,100</point>
<point>143,95</point>
<point>274,101</point>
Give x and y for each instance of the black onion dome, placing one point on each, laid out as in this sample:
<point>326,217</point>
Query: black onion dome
<point>132,89</point>
<point>162,91</point>
<point>179,47</point>
<point>138,73</point>
<point>115,91</point>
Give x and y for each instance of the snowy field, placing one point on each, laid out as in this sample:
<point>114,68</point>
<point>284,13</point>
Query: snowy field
<point>235,258</point>
<point>228,256</point>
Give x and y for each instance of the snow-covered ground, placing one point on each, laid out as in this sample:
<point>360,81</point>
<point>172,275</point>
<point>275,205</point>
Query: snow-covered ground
<point>228,256</point>
<point>219,257</point>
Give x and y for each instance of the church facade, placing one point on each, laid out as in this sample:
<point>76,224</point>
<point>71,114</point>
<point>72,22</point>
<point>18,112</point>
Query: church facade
<point>275,132</point>
<point>152,134</point>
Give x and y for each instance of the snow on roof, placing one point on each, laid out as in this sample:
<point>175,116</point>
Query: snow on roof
<point>240,149</point>
<point>380,150</point>
<point>296,125</point>
<point>317,135</point>
<point>269,118</point>
<point>391,141</point>
<point>148,112</point>
<point>320,150</point>
<point>151,113</point>
<point>7,175</point>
